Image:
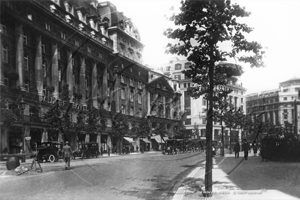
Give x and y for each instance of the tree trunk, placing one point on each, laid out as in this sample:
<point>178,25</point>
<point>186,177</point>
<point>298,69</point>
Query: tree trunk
<point>209,128</point>
<point>230,141</point>
<point>222,139</point>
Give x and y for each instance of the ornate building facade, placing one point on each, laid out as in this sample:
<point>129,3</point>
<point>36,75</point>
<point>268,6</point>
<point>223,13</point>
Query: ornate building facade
<point>278,106</point>
<point>195,109</point>
<point>81,56</point>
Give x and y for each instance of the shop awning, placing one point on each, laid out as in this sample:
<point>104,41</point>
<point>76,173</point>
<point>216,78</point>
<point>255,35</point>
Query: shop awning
<point>158,139</point>
<point>128,139</point>
<point>145,140</point>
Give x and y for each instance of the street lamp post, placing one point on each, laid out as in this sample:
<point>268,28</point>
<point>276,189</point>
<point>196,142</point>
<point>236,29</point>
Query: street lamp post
<point>22,108</point>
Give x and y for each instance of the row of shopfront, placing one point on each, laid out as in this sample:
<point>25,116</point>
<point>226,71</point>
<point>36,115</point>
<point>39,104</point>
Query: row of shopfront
<point>13,142</point>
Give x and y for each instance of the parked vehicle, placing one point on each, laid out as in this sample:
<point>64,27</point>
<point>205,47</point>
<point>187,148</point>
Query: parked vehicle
<point>87,150</point>
<point>49,151</point>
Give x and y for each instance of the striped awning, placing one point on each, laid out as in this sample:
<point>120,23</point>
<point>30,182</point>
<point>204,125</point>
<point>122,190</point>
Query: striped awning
<point>158,139</point>
<point>128,139</point>
<point>145,140</point>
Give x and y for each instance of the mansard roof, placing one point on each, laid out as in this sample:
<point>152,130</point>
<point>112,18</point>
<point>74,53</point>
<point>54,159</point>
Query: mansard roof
<point>160,84</point>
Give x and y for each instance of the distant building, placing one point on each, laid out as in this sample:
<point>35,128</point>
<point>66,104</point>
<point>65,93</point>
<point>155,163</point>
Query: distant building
<point>195,109</point>
<point>164,103</point>
<point>277,106</point>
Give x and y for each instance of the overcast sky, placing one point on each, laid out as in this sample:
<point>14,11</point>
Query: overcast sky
<point>276,26</point>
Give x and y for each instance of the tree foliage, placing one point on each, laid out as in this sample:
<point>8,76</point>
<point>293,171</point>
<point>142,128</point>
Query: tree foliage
<point>160,130</point>
<point>201,27</point>
<point>141,128</point>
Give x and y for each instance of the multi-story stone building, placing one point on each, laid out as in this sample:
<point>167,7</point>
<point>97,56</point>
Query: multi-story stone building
<point>278,106</point>
<point>195,109</point>
<point>82,55</point>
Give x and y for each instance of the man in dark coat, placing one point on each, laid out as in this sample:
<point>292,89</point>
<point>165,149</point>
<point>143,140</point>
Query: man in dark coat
<point>67,151</point>
<point>237,149</point>
<point>246,148</point>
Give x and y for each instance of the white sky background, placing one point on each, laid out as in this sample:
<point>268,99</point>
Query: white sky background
<point>276,26</point>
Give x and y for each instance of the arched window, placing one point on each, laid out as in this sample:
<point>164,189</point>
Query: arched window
<point>178,66</point>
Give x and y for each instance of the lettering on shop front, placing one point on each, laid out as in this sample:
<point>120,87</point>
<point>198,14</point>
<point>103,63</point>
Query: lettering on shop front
<point>63,103</point>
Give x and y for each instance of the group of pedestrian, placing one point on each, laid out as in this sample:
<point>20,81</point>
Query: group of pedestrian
<point>246,148</point>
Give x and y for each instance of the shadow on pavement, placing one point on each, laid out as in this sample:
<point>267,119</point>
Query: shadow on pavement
<point>276,178</point>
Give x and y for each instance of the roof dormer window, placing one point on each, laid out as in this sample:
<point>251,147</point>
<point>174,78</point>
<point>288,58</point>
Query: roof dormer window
<point>92,23</point>
<point>81,16</point>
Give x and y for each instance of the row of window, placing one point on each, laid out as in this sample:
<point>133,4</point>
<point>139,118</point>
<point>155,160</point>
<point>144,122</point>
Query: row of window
<point>131,81</point>
<point>131,95</point>
<point>178,66</point>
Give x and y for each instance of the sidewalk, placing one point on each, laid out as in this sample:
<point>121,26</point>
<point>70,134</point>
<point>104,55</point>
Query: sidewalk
<point>236,178</point>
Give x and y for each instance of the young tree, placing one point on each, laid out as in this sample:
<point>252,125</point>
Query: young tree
<point>120,128</point>
<point>230,119</point>
<point>160,130</point>
<point>221,107</point>
<point>201,27</point>
<point>141,129</point>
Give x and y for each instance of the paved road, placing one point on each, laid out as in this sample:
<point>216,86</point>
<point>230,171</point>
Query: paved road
<point>142,176</point>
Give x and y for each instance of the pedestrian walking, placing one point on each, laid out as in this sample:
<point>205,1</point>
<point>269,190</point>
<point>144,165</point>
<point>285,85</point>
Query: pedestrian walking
<point>254,147</point>
<point>264,151</point>
<point>101,151</point>
<point>237,149</point>
<point>108,150</point>
<point>246,148</point>
<point>67,151</point>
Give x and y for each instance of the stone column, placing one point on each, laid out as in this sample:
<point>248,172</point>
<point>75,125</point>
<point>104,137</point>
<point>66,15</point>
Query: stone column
<point>82,87</point>
<point>164,107</point>
<point>55,70</point>
<point>104,91</point>
<point>70,74</point>
<point>20,55</point>
<point>1,70</point>
<point>99,141</point>
<point>94,86</point>
<point>38,67</point>
<point>148,103</point>
<point>117,91</point>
